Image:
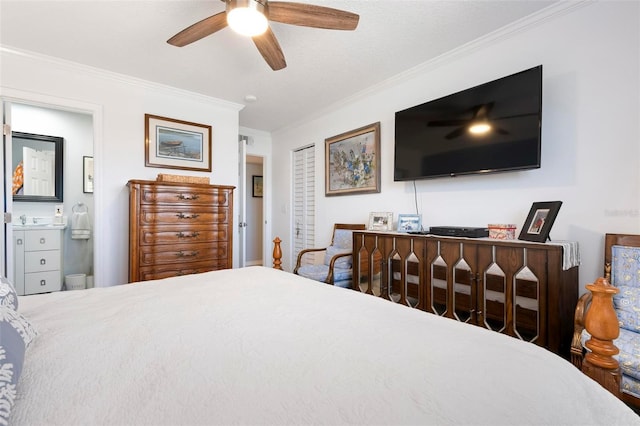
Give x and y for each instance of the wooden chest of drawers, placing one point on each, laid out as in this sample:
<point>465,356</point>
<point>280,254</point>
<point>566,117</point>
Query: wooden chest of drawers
<point>178,228</point>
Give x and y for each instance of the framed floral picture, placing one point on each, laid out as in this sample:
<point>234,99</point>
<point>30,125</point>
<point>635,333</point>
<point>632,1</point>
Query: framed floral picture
<point>352,161</point>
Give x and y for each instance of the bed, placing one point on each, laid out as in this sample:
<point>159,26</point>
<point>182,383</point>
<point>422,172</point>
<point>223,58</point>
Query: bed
<point>260,346</point>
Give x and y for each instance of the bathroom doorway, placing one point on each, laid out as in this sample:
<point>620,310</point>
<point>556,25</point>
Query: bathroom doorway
<point>76,127</point>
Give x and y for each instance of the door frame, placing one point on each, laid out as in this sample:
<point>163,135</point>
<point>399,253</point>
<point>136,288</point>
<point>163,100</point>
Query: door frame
<point>9,96</point>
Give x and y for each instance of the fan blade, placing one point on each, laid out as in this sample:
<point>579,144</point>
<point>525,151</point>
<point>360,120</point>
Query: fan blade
<point>270,50</point>
<point>308,15</point>
<point>447,123</point>
<point>199,30</point>
<point>457,132</point>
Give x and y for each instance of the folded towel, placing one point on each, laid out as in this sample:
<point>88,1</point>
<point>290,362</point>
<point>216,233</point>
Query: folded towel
<point>80,226</point>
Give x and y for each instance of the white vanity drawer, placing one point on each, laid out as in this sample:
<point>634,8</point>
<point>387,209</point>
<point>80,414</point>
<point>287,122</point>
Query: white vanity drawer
<point>38,261</point>
<point>45,239</point>
<point>42,282</point>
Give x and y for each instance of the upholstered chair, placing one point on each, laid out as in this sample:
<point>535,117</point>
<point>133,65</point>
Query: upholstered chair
<point>622,270</point>
<point>337,265</point>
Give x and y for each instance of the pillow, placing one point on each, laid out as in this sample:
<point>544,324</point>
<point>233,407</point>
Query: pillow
<point>15,335</point>
<point>341,262</point>
<point>8,295</point>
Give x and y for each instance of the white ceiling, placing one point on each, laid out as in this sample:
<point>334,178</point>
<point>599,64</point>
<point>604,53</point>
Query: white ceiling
<point>323,66</point>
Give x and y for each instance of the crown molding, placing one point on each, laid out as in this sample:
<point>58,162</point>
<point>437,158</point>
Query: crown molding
<point>119,78</point>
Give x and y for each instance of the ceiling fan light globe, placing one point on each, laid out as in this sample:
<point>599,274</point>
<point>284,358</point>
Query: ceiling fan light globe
<point>247,17</point>
<point>479,128</point>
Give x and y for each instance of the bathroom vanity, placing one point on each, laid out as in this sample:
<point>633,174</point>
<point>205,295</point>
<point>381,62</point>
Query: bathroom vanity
<point>38,254</point>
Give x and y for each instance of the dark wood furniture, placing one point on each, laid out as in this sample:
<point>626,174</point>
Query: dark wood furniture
<point>178,228</point>
<point>595,312</point>
<point>512,287</point>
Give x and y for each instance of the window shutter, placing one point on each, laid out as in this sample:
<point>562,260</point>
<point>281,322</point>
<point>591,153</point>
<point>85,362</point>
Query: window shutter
<point>304,202</point>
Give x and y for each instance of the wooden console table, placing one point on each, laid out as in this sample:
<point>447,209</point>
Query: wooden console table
<point>517,288</point>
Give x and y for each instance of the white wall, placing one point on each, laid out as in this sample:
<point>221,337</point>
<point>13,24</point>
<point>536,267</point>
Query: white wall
<point>119,104</point>
<point>590,134</point>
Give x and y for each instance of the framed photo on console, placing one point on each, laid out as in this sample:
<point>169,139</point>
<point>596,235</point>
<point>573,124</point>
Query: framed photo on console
<point>409,223</point>
<point>380,221</point>
<point>539,221</point>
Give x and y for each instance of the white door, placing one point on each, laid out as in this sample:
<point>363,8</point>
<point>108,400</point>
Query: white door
<point>38,169</point>
<point>241,197</point>
<point>303,202</point>
<point>7,197</point>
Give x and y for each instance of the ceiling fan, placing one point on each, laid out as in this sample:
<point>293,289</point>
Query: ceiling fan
<point>479,124</point>
<point>259,12</point>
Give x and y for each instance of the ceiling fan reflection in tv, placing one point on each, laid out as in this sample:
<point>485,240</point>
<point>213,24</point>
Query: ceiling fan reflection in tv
<point>480,123</point>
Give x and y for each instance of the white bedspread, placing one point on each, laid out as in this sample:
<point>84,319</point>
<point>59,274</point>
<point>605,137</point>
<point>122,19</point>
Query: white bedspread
<point>260,346</point>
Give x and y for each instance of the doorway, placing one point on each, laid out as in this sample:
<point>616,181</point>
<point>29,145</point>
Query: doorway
<point>254,211</point>
<point>252,198</point>
<point>76,128</point>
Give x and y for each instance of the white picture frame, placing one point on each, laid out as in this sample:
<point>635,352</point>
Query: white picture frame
<point>409,223</point>
<point>380,221</point>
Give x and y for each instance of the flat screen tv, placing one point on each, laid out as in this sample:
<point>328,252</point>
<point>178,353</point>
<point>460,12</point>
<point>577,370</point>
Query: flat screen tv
<point>492,127</point>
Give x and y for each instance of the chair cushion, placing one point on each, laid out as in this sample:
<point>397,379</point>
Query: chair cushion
<point>629,357</point>
<point>625,266</point>
<point>314,272</point>
<point>320,272</point>
<point>627,306</point>
<point>343,238</point>
<point>630,385</point>
<point>341,262</point>
<point>628,343</point>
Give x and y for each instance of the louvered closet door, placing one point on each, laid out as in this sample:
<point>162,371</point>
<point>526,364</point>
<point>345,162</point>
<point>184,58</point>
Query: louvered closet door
<point>303,202</point>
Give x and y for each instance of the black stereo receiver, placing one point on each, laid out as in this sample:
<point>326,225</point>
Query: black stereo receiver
<point>459,231</point>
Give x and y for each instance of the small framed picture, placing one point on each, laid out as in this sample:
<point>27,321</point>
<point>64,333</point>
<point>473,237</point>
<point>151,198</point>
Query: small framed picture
<point>409,223</point>
<point>257,186</point>
<point>380,221</point>
<point>87,174</point>
<point>539,221</point>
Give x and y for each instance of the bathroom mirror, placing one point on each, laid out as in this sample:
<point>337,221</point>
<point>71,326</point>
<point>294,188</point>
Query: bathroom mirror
<point>37,162</point>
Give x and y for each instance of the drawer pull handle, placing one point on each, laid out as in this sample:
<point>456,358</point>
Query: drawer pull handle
<point>19,241</point>
<point>42,240</point>
<point>43,282</point>
<point>183,254</point>
<point>186,197</point>
<point>183,235</point>
<point>43,261</point>
<point>187,216</point>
